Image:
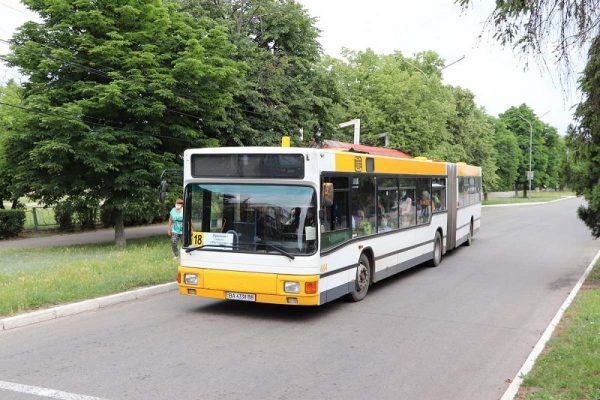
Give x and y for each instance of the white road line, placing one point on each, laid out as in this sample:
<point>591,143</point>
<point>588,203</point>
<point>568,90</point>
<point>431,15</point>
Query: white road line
<point>44,392</point>
<point>513,388</point>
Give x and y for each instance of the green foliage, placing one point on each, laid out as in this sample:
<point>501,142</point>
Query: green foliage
<point>547,148</point>
<point>508,156</point>
<point>285,88</point>
<point>393,94</point>
<point>63,214</point>
<point>10,117</point>
<point>119,88</point>
<point>11,223</point>
<point>584,142</point>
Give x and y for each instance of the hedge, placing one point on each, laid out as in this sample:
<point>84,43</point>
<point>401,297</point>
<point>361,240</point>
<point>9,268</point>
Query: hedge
<point>11,223</point>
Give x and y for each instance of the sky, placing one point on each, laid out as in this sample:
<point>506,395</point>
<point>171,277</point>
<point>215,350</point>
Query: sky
<point>494,74</point>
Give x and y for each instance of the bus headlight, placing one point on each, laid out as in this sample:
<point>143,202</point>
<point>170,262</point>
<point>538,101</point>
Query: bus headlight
<point>190,279</point>
<point>291,287</point>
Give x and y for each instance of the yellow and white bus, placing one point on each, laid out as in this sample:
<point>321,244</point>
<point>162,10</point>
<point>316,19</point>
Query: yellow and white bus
<point>306,226</point>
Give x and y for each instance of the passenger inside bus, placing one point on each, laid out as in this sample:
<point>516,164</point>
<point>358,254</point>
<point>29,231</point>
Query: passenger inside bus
<point>406,209</point>
<point>362,224</point>
<point>424,207</point>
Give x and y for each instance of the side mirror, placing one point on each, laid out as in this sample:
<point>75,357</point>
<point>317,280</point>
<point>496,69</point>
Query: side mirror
<point>327,194</point>
<point>162,190</point>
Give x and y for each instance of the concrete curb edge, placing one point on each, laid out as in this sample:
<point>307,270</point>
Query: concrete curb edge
<point>537,203</point>
<point>514,386</point>
<point>35,317</point>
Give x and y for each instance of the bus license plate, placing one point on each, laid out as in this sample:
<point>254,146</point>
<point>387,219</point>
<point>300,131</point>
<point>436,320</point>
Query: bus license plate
<point>240,296</point>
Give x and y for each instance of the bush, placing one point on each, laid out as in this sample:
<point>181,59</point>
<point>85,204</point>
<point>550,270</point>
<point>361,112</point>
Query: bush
<point>11,223</point>
<point>63,214</point>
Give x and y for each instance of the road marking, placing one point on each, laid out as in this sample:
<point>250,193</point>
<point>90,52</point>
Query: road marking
<point>513,388</point>
<point>44,392</point>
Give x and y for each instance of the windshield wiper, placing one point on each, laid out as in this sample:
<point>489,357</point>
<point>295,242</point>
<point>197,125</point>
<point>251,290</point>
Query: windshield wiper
<point>227,246</point>
<point>276,248</point>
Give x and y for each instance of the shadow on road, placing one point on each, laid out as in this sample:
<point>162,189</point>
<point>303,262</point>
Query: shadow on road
<point>275,312</point>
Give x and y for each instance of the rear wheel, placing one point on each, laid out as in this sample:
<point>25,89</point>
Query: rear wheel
<point>437,250</point>
<point>470,235</point>
<point>363,278</point>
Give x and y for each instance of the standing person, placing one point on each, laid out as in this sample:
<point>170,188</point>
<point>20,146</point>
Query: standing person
<point>175,229</point>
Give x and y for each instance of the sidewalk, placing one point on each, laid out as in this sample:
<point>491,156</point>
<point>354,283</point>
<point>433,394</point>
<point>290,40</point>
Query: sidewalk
<point>97,236</point>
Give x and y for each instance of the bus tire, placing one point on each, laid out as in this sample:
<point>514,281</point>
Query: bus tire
<point>363,278</point>
<point>437,251</point>
<point>470,235</point>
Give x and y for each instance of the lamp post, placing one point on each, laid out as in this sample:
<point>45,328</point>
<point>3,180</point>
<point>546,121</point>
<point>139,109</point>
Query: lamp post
<point>529,174</point>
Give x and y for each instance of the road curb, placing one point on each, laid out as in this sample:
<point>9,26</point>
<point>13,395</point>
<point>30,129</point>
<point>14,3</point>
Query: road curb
<point>537,203</point>
<point>80,307</point>
<point>513,388</point>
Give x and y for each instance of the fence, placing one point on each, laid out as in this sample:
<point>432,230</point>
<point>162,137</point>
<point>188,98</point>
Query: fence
<point>40,218</point>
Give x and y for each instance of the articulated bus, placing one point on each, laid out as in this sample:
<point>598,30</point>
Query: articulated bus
<point>306,226</point>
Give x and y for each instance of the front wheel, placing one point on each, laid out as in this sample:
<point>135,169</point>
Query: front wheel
<point>437,251</point>
<point>363,279</point>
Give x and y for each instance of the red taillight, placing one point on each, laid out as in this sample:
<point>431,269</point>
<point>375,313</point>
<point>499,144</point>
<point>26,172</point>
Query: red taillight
<point>179,277</point>
<point>311,287</point>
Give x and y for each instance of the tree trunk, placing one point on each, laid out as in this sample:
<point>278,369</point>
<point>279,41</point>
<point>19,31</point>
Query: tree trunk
<point>524,190</point>
<point>119,228</point>
<point>15,203</point>
<point>485,195</point>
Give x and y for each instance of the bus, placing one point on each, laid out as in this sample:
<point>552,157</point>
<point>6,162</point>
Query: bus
<point>306,226</point>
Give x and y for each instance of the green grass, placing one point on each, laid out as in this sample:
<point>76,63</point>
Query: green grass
<point>41,277</point>
<point>569,368</point>
<point>535,197</point>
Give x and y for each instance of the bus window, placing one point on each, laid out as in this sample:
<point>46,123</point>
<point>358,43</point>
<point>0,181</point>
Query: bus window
<point>363,206</point>
<point>408,215</point>
<point>387,204</point>
<point>254,218</point>
<point>438,195</point>
<point>424,205</point>
<point>335,227</point>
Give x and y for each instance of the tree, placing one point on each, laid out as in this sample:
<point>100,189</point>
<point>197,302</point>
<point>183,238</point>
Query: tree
<point>11,116</point>
<point>518,120</point>
<point>115,91</point>
<point>285,89</point>
<point>533,26</point>
<point>584,142</point>
<point>393,94</point>
<point>508,156</point>
<point>471,128</point>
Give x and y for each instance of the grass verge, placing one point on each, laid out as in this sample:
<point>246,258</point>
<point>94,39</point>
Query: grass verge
<point>535,197</point>
<point>36,278</point>
<point>569,367</point>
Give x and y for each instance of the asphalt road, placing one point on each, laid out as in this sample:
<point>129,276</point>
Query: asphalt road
<point>455,332</point>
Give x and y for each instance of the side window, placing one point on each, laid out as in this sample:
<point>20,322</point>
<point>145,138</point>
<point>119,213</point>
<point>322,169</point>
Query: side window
<point>461,192</point>
<point>335,224</point>
<point>387,204</point>
<point>407,205</point>
<point>438,195</point>
<point>363,206</point>
<point>424,202</point>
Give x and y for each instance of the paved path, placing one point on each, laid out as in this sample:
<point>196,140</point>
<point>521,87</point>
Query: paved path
<point>97,236</point>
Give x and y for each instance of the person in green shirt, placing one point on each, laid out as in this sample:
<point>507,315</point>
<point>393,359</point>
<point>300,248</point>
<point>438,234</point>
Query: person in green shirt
<point>175,230</point>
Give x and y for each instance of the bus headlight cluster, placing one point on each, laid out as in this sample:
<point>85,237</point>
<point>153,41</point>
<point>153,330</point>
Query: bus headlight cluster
<point>291,287</point>
<point>190,279</point>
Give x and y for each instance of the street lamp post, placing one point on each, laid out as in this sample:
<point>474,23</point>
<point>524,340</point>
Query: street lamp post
<point>529,174</point>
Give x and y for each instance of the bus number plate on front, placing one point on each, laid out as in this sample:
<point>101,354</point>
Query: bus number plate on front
<point>240,296</point>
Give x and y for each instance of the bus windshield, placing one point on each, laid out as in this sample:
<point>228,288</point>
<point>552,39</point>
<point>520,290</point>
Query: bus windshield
<point>254,218</point>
